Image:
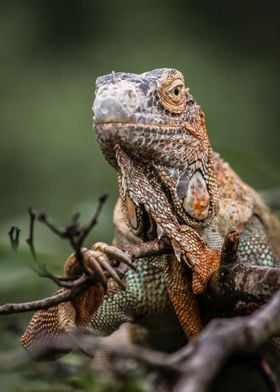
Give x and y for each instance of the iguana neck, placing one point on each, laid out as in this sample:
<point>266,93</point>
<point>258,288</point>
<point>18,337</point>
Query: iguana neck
<point>191,193</point>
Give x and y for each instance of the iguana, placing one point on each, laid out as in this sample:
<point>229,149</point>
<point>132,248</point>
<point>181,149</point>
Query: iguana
<point>172,184</point>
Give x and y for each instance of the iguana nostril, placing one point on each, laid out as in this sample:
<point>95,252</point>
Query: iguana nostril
<point>104,109</point>
<point>131,95</point>
<point>110,105</point>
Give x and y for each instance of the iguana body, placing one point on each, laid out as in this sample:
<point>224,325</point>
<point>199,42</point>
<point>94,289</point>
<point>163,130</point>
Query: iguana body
<point>171,183</point>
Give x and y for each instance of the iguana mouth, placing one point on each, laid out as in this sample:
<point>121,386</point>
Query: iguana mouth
<point>119,127</point>
<point>141,119</point>
<point>161,126</point>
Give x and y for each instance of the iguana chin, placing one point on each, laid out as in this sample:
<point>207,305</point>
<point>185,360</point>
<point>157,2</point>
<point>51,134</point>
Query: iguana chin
<point>171,184</point>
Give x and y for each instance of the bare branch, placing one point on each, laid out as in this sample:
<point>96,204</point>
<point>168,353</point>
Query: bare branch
<point>30,240</point>
<point>238,281</point>
<point>61,232</point>
<point>14,233</point>
<point>87,228</point>
<point>89,345</point>
<point>77,287</point>
<point>219,340</point>
<point>150,248</point>
<point>150,357</point>
<point>230,246</point>
<point>75,234</point>
<point>61,281</point>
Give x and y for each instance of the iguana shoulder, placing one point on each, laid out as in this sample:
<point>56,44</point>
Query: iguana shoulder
<point>241,208</point>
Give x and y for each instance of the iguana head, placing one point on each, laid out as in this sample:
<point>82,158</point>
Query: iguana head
<point>152,116</point>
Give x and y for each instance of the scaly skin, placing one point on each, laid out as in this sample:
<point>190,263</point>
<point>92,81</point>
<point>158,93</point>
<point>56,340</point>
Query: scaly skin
<point>171,183</point>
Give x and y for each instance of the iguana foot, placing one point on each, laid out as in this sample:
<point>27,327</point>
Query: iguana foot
<point>113,253</point>
<point>48,334</point>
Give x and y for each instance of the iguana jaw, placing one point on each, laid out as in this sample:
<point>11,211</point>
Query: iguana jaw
<point>150,141</point>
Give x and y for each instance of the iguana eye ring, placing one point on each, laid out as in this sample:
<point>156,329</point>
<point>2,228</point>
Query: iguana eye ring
<point>172,93</point>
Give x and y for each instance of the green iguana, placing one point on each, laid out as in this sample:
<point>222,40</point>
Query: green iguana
<point>171,184</point>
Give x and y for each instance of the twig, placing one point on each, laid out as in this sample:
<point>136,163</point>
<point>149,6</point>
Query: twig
<point>229,250</point>
<point>14,233</point>
<point>61,281</point>
<point>61,232</point>
<point>30,239</point>
<point>149,248</point>
<point>219,340</point>
<point>89,345</point>
<point>77,287</point>
<point>87,228</point>
<point>74,233</point>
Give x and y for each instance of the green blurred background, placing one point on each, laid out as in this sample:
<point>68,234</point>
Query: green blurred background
<point>51,54</point>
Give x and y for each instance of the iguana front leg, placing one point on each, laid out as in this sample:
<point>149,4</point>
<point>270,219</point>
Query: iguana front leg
<point>43,338</point>
<point>182,297</point>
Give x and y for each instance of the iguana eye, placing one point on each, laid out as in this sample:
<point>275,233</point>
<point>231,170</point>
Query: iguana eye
<point>177,92</point>
<point>172,93</point>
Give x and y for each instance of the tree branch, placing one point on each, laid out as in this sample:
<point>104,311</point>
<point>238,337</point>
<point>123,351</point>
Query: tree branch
<point>203,357</point>
<point>77,286</point>
<point>194,367</point>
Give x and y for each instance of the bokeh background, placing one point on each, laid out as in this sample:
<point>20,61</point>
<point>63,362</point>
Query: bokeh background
<point>51,53</point>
